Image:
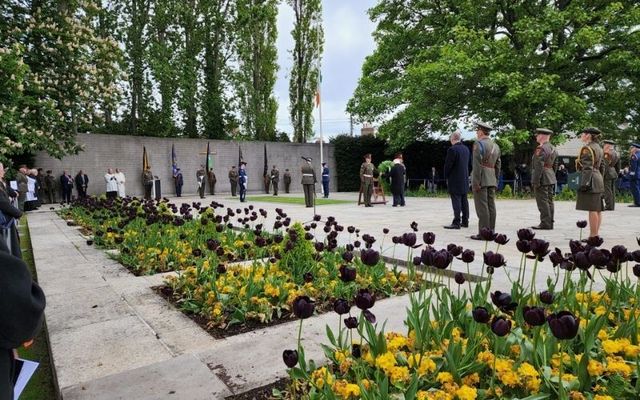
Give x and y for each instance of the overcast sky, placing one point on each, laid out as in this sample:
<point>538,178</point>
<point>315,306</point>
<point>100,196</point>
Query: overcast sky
<point>348,41</point>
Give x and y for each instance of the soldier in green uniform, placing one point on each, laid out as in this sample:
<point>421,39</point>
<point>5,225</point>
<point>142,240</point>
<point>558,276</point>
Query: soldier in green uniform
<point>543,177</point>
<point>147,181</point>
<point>275,179</point>
<point>366,179</point>
<point>484,177</point>
<point>611,168</point>
<point>287,180</point>
<point>590,166</point>
<point>308,181</point>
<point>212,180</point>
<point>233,180</point>
<point>21,180</point>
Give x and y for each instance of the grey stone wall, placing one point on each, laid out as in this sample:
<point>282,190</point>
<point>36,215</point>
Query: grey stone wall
<point>125,152</point>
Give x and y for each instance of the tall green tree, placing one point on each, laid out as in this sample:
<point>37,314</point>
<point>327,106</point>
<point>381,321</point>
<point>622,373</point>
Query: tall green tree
<point>517,64</point>
<point>303,83</point>
<point>255,77</point>
<point>217,51</point>
<point>188,19</point>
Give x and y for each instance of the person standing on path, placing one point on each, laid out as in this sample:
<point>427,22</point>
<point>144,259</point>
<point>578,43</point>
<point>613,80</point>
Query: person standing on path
<point>23,186</point>
<point>398,174</point>
<point>287,180</point>
<point>456,172</point>
<point>179,181</point>
<point>325,180</point>
<point>120,178</point>
<point>50,187</point>
<point>486,166</point>
<point>275,179</point>
<point>212,180</point>
<point>200,174</point>
<point>233,180</point>
<point>543,177</point>
<point>66,183</point>
<point>308,182</point>
<point>366,179</point>
<point>243,181</point>
<point>112,184</point>
<point>82,183</point>
<point>590,165</point>
<point>147,181</point>
<point>634,174</point>
<point>611,168</point>
<point>562,176</point>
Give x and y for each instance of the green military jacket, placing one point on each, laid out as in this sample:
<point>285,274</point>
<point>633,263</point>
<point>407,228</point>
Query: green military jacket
<point>308,175</point>
<point>233,175</point>
<point>543,165</point>
<point>366,172</point>
<point>611,165</point>
<point>590,165</point>
<point>275,175</point>
<point>22,181</point>
<point>486,163</point>
<point>287,177</point>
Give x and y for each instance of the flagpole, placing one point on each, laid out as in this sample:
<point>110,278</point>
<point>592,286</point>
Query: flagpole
<point>320,98</point>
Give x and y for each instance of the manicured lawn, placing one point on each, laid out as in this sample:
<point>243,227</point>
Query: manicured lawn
<point>293,200</point>
<point>41,385</point>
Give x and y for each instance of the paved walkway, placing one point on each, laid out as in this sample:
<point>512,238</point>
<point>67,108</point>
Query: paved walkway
<point>112,337</point>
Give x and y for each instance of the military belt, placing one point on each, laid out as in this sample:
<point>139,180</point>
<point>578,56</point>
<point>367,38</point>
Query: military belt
<point>367,176</point>
<point>488,165</point>
<point>325,175</point>
<point>307,174</point>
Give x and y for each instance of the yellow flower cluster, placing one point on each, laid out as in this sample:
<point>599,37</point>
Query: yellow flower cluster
<point>346,390</point>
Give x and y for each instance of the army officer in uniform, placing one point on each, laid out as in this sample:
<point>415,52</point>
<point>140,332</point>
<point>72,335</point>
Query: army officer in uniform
<point>308,181</point>
<point>366,179</point>
<point>610,176</point>
<point>590,164</point>
<point>543,177</point>
<point>485,170</point>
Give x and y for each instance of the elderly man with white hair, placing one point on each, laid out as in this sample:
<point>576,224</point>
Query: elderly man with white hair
<point>456,172</point>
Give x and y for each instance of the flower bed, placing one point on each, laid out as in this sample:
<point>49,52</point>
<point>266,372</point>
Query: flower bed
<point>564,342</point>
<point>204,246</point>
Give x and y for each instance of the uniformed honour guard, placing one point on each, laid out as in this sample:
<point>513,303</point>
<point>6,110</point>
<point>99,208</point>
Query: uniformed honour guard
<point>233,180</point>
<point>243,181</point>
<point>275,179</point>
<point>287,180</point>
<point>325,180</point>
<point>590,166</point>
<point>147,181</point>
<point>543,177</point>
<point>611,169</point>
<point>634,174</point>
<point>484,177</point>
<point>366,179</point>
<point>212,180</point>
<point>50,187</point>
<point>21,179</point>
<point>200,176</point>
<point>179,182</point>
<point>308,181</point>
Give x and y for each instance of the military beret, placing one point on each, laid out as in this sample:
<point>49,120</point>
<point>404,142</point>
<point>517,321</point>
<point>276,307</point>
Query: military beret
<point>543,131</point>
<point>307,159</point>
<point>243,163</point>
<point>609,142</point>
<point>484,126</point>
<point>324,163</point>
<point>591,130</point>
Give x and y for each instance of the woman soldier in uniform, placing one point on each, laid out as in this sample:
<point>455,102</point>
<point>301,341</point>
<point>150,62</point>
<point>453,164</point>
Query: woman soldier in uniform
<point>589,164</point>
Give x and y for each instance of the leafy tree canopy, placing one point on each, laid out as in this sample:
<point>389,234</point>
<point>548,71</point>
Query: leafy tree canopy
<point>518,64</point>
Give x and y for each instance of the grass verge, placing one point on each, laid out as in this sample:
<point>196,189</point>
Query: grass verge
<point>41,386</point>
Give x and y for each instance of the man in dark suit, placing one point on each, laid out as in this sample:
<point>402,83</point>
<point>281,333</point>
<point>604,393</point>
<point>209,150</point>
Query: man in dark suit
<point>82,183</point>
<point>398,175</point>
<point>456,171</point>
<point>66,183</point>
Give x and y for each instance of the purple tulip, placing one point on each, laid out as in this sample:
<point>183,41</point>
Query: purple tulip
<point>303,307</point>
<point>501,239</point>
<point>487,234</point>
<point>341,306</point>
<point>364,299</point>
<point>526,234</point>
<point>468,256</point>
<point>429,238</point>
<point>347,274</point>
<point>369,257</point>
<point>539,248</point>
<point>454,249</point>
<point>564,325</point>
<point>534,316</point>
<point>351,322</point>
<point>546,297</point>
<point>500,326</point>
<point>368,315</point>
<point>581,224</point>
<point>481,315</point>
<point>459,278</point>
<point>495,260</point>
<point>636,270</point>
<point>347,256</point>
<point>409,239</point>
<point>290,358</point>
<point>598,257</point>
<point>595,241</point>
<point>619,253</point>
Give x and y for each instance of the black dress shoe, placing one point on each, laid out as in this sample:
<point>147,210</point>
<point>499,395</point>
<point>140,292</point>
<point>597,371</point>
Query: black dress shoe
<point>476,237</point>
<point>633,205</point>
<point>452,226</point>
<point>464,225</point>
<point>544,228</point>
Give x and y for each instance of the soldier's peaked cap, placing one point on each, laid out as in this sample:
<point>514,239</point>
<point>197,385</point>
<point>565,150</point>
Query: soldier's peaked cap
<point>543,131</point>
<point>592,130</point>
<point>636,145</point>
<point>484,126</point>
<point>306,158</point>
<point>609,142</point>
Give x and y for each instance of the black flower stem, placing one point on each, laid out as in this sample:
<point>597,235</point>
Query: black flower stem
<point>340,331</point>
<point>493,375</point>
<point>522,260</point>
<point>299,334</point>
<point>469,282</point>
<point>586,315</point>
<point>581,234</point>
<point>533,277</point>
<point>561,395</point>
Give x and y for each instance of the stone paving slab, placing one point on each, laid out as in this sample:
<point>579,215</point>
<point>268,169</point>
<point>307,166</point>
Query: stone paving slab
<point>134,344</point>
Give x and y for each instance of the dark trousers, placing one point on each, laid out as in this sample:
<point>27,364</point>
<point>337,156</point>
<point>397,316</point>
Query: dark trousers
<point>212,188</point>
<point>287,185</point>
<point>398,198</point>
<point>179,190</point>
<point>234,187</point>
<point>66,195</point>
<point>485,202</point>
<point>51,196</point>
<point>243,193</point>
<point>308,195</point>
<point>367,191</point>
<point>635,191</point>
<point>275,188</point>
<point>112,195</point>
<point>460,204</point>
<point>7,372</point>
<point>610,194</point>
<point>325,188</point>
<point>147,192</point>
<point>201,190</point>
<point>544,201</point>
